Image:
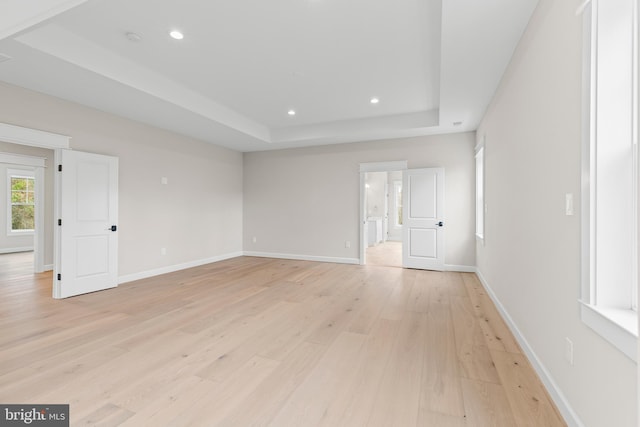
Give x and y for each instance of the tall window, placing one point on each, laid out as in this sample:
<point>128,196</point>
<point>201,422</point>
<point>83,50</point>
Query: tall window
<point>480,192</point>
<point>21,203</point>
<point>610,185</point>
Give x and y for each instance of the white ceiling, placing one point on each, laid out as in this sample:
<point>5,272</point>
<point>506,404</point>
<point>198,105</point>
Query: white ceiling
<point>244,64</point>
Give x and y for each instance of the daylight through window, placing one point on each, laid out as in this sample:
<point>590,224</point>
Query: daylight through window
<point>22,204</point>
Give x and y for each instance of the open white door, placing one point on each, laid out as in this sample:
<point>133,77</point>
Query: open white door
<point>423,219</point>
<point>87,258</point>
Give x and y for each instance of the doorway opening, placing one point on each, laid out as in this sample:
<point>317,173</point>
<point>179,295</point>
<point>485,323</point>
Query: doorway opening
<point>381,213</point>
<point>383,195</point>
<point>34,149</point>
<point>418,212</point>
<point>24,210</point>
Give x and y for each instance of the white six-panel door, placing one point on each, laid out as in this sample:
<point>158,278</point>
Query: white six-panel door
<point>88,237</point>
<point>423,219</point>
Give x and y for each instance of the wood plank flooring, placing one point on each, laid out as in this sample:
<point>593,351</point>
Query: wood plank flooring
<point>15,265</point>
<point>265,342</point>
<point>387,254</point>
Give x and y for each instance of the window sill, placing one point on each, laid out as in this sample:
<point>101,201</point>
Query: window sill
<point>618,326</point>
<point>21,233</point>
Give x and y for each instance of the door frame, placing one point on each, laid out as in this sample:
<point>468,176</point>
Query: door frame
<point>52,141</point>
<point>390,166</point>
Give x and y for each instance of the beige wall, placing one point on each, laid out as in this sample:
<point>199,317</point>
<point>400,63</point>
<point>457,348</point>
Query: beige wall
<point>197,216</point>
<point>306,201</point>
<point>531,259</point>
<point>13,241</point>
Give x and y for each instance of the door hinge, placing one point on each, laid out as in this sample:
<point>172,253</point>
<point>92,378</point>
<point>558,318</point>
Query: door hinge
<point>59,276</point>
<point>59,222</point>
<point>59,168</point>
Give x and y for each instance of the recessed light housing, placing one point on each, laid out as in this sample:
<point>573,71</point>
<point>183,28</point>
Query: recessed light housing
<point>176,35</point>
<point>291,112</point>
<point>374,100</point>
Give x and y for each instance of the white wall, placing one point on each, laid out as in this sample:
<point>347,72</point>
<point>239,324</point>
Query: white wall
<point>531,257</point>
<point>306,201</point>
<point>197,216</point>
<point>13,241</point>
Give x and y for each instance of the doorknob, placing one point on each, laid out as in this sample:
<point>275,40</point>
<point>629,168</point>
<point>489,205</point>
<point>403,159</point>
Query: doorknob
<point>112,228</point>
<point>440,224</point>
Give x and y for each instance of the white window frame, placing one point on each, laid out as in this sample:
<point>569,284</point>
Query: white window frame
<point>480,210</point>
<point>618,325</point>
<point>18,173</point>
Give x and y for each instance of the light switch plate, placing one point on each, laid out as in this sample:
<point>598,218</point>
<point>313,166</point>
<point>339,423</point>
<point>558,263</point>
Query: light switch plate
<point>568,204</point>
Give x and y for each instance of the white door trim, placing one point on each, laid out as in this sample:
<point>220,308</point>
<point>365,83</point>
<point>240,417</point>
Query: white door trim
<point>391,166</point>
<point>32,137</point>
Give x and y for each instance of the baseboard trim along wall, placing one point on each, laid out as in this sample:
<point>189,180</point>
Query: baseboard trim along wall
<point>460,268</point>
<point>303,257</point>
<point>176,267</point>
<point>183,266</point>
<point>555,392</point>
<point>14,250</point>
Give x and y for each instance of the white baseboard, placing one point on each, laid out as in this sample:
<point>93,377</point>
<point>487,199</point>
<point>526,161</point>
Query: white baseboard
<point>303,257</point>
<point>176,267</point>
<point>460,268</point>
<point>48,267</point>
<point>555,392</point>
<point>14,250</point>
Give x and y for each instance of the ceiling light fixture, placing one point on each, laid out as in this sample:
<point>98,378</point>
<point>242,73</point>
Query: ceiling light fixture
<point>176,35</point>
<point>291,112</point>
<point>374,100</point>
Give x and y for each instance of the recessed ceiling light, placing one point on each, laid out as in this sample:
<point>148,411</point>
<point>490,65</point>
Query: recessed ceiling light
<point>176,35</point>
<point>133,37</point>
<point>374,100</point>
<point>291,112</point>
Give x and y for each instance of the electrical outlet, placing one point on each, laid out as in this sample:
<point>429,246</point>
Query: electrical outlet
<point>568,351</point>
<point>254,240</point>
<point>164,180</point>
<point>347,244</point>
<point>163,251</point>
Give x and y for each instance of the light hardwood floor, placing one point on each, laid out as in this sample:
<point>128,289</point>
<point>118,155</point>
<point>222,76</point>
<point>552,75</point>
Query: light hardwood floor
<point>263,342</point>
<point>16,265</point>
<point>387,254</point>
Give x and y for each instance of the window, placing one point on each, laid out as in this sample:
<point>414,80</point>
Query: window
<point>609,163</point>
<point>21,204</point>
<point>480,192</point>
<point>397,200</point>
